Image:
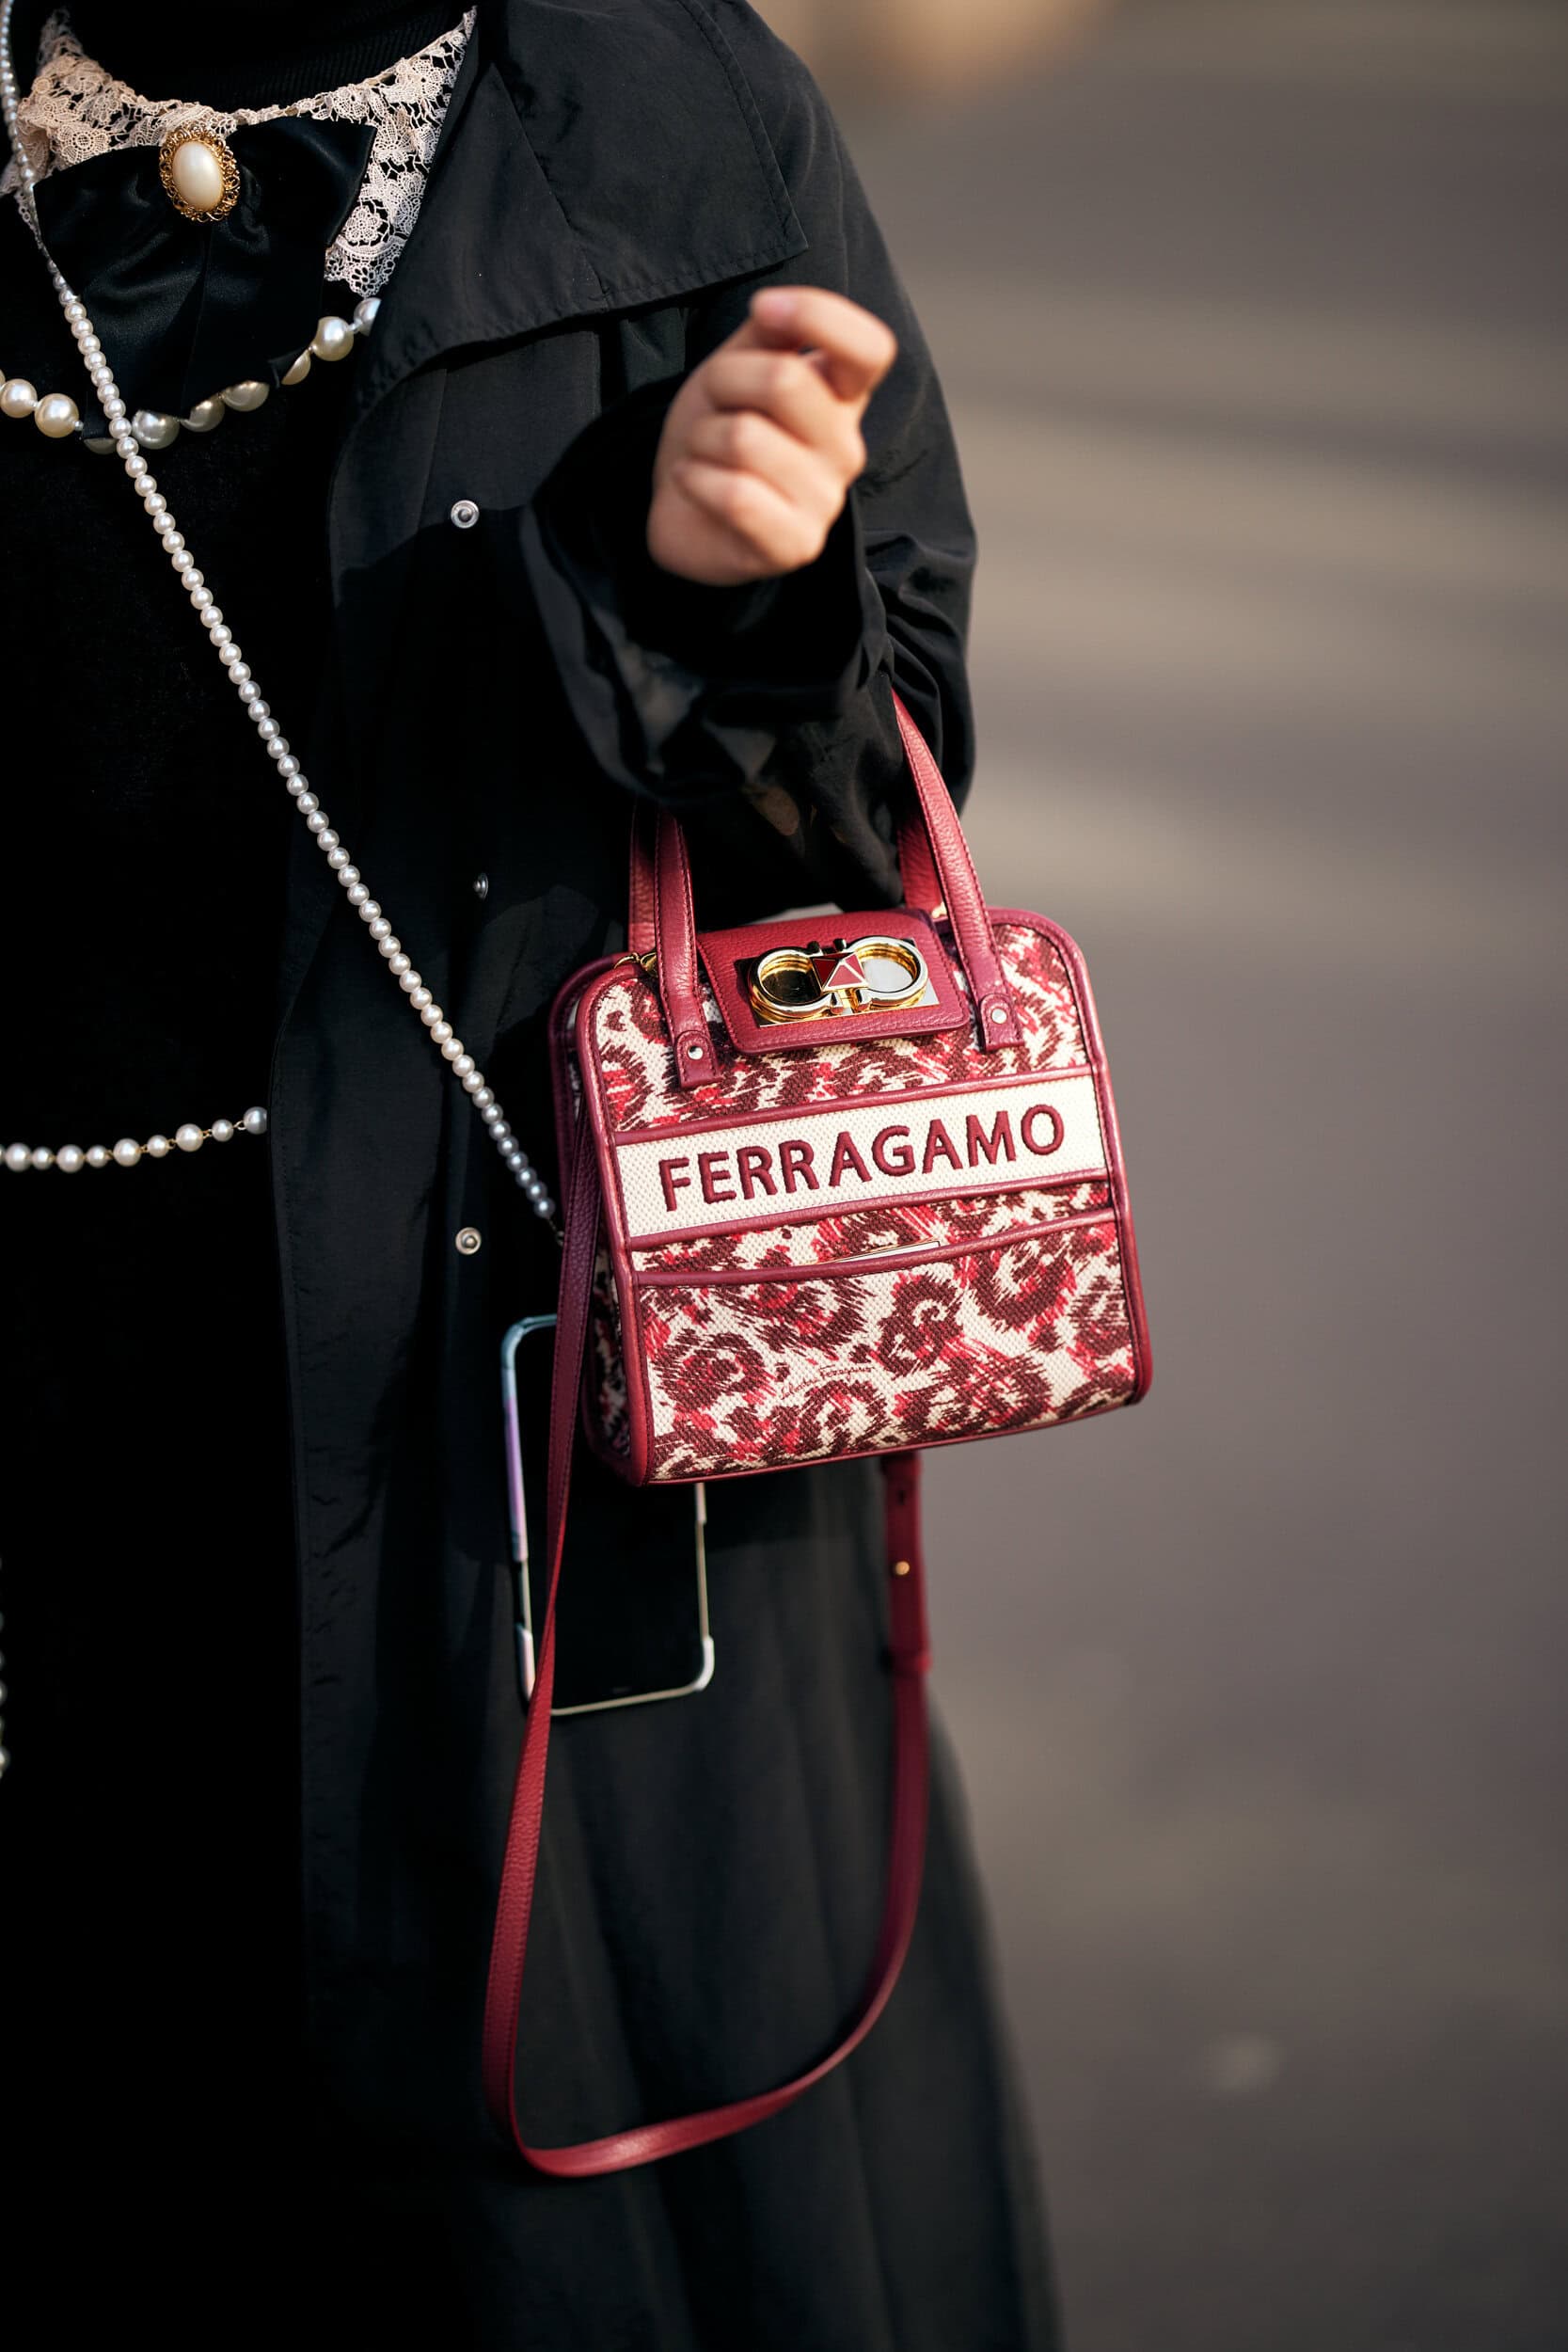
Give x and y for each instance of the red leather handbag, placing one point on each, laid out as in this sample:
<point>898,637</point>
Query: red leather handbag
<point>825,1196</point>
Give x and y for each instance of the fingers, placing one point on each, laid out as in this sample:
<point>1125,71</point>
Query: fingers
<point>762,443</point>
<point>855,349</point>
<point>755,444</point>
<point>768,533</point>
<point>783,386</point>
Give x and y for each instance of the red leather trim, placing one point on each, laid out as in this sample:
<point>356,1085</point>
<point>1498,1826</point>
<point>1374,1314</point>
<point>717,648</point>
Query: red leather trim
<point>558,1027</point>
<point>872,1261</point>
<point>1089,1015</point>
<point>658,1129</point>
<point>825,1212</point>
<point>908,1657</point>
<point>640,1413</point>
<point>725,954</point>
<point>635,1465</point>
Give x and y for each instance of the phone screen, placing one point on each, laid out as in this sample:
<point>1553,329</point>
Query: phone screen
<point>631,1615</point>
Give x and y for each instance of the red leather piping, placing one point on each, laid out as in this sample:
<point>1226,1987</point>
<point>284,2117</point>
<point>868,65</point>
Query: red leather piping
<point>643,1248</point>
<point>909,1658</point>
<point>869,1262</point>
<point>645,1244</point>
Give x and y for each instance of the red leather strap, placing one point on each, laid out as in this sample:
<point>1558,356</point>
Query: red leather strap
<point>916,867</point>
<point>908,1657</point>
<point>936,870</point>
<point>972,935</point>
<point>675,951</point>
<point>640,879</point>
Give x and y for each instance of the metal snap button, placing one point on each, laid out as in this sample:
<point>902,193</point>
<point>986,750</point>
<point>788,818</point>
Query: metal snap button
<point>469,1241</point>
<point>481,886</point>
<point>464,514</point>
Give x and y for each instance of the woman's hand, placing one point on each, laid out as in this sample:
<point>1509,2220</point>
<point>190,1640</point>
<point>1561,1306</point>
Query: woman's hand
<point>762,443</point>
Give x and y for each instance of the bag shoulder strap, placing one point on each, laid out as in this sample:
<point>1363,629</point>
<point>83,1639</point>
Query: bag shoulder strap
<point>909,1658</point>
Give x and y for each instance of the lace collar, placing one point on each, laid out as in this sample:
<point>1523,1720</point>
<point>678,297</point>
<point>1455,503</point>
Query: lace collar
<point>75,110</point>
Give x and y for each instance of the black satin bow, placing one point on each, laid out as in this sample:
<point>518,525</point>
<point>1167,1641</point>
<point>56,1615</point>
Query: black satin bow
<point>182,309</point>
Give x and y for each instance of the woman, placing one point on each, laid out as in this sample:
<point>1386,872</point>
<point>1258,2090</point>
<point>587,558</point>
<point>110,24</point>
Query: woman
<point>568,519</point>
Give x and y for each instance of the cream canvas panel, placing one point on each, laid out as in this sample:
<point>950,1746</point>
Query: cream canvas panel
<point>1038,1130</point>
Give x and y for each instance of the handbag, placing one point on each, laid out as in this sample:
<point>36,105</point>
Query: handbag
<point>824,1196</point>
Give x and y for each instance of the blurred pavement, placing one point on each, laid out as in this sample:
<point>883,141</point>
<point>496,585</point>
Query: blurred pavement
<point>1254,318</point>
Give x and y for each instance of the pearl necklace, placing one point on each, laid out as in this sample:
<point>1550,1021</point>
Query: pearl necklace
<point>70,1159</point>
<point>58,418</point>
<point>128,450</point>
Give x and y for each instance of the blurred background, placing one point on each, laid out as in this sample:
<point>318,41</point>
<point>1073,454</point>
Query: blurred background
<point>1253,317</point>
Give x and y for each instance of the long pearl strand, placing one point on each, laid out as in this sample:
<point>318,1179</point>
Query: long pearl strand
<point>451,1047</point>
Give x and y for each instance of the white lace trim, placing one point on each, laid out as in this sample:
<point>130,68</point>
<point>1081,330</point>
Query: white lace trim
<point>75,110</point>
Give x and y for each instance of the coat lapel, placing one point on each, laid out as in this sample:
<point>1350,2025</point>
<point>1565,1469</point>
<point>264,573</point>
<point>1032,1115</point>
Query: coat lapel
<point>592,160</point>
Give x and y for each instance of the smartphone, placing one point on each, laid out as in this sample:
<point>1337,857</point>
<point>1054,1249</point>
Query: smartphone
<point>631,1620</point>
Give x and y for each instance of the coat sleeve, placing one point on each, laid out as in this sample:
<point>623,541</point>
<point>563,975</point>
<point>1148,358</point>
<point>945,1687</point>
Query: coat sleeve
<point>764,715</point>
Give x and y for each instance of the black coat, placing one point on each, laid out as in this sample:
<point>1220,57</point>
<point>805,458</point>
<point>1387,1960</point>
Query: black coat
<point>612,184</point>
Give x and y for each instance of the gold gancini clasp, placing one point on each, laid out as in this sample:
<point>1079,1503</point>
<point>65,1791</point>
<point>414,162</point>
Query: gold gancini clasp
<point>199,174</point>
<point>818,982</point>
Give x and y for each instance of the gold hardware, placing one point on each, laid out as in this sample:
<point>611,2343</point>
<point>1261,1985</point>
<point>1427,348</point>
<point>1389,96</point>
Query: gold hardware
<point>901,1567</point>
<point>785,987</point>
<point>205,134</point>
<point>817,982</point>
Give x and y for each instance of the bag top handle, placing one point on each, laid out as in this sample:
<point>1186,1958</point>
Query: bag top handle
<point>938,876</point>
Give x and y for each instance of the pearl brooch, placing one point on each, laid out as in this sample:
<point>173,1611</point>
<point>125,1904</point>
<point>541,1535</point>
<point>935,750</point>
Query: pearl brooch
<point>199,174</point>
